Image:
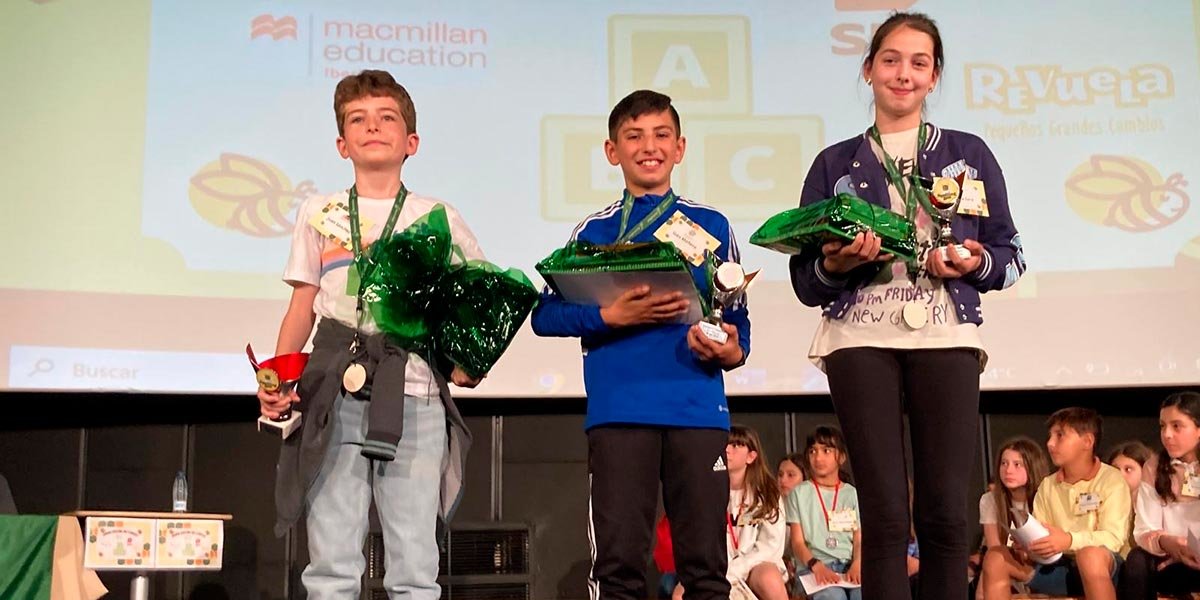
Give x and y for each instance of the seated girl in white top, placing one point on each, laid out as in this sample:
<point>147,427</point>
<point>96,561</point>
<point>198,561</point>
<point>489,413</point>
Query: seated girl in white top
<point>1168,509</point>
<point>756,532</point>
<point>1020,468</point>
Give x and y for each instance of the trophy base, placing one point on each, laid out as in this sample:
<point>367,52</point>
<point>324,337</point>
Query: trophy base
<point>282,428</point>
<point>944,253</point>
<point>713,332</point>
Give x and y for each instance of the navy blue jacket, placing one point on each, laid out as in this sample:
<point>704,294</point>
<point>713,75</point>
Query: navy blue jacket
<point>851,166</point>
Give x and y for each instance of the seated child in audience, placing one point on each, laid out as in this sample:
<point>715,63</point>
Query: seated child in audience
<point>1020,467</point>
<point>1129,458</point>
<point>1168,504</point>
<point>790,473</point>
<point>1085,506</point>
<point>755,526</point>
<point>822,516</point>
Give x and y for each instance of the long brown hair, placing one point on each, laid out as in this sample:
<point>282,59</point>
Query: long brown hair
<point>1187,403</point>
<point>1037,467</point>
<point>762,489</point>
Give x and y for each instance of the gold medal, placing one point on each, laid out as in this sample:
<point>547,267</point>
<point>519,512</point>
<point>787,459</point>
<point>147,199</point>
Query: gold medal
<point>354,378</point>
<point>268,379</point>
<point>944,193</point>
<point>914,315</point>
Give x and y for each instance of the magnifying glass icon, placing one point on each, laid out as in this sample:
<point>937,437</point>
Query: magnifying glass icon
<point>44,365</point>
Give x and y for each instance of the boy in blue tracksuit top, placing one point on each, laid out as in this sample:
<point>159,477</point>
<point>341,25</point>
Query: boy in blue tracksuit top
<point>656,392</point>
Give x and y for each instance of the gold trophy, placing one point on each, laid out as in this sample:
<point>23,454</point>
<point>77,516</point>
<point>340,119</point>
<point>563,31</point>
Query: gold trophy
<point>280,374</point>
<point>945,194</point>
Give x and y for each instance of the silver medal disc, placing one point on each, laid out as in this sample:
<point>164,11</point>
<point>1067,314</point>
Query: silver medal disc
<point>914,315</point>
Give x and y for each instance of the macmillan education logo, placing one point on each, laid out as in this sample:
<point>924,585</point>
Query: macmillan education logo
<point>337,47</point>
<point>276,28</point>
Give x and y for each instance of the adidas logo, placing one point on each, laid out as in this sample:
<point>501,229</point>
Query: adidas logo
<point>720,464</point>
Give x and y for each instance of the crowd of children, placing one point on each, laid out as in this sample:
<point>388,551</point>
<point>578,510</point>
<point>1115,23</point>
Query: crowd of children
<point>1116,529</point>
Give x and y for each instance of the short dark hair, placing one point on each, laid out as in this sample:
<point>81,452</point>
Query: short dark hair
<point>1082,420</point>
<point>637,104</point>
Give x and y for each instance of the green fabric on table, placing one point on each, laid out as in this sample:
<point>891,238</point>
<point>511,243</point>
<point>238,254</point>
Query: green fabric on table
<point>838,218</point>
<point>27,556</point>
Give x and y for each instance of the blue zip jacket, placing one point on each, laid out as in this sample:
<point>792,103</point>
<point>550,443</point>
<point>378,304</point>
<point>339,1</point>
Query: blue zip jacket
<point>646,375</point>
<point>851,166</point>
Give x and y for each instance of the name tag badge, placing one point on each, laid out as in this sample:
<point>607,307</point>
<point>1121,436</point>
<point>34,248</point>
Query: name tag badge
<point>974,199</point>
<point>844,520</point>
<point>691,239</point>
<point>333,223</point>
<point>1191,486</point>
<point>1088,502</point>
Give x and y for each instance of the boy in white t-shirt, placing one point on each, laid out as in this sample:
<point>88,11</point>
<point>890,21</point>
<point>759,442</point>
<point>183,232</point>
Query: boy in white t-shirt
<point>406,446</point>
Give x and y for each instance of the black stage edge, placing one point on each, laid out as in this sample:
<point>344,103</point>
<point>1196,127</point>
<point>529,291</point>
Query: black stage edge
<point>41,410</point>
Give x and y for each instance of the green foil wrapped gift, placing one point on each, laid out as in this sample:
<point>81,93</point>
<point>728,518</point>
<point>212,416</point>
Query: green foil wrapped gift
<point>598,274</point>
<point>486,306</point>
<point>427,303</point>
<point>838,218</point>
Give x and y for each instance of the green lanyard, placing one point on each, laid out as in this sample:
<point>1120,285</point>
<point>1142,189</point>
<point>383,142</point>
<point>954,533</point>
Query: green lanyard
<point>627,209</point>
<point>911,190</point>
<point>356,273</point>
<point>388,226</point>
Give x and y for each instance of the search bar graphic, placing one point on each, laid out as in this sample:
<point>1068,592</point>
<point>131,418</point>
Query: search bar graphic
<point>58,368</point>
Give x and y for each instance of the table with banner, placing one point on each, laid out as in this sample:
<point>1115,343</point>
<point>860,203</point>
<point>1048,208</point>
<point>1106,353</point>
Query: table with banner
<point>48,557</point>
<point>145,542</point>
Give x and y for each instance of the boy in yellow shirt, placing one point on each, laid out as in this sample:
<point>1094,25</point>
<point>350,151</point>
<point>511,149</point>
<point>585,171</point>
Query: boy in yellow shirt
<point>1086,507</point>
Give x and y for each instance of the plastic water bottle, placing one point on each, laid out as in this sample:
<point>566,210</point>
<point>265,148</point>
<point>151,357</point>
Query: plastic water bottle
<point>179,494</point>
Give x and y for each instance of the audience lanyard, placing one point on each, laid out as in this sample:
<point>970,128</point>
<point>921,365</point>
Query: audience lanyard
<point>837,490</point>
<point>729,520</point>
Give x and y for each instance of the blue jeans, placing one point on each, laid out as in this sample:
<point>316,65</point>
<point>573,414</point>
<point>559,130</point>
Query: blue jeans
<point>1062,578</point>
<point>834,593</point>
<point>406,493</point>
